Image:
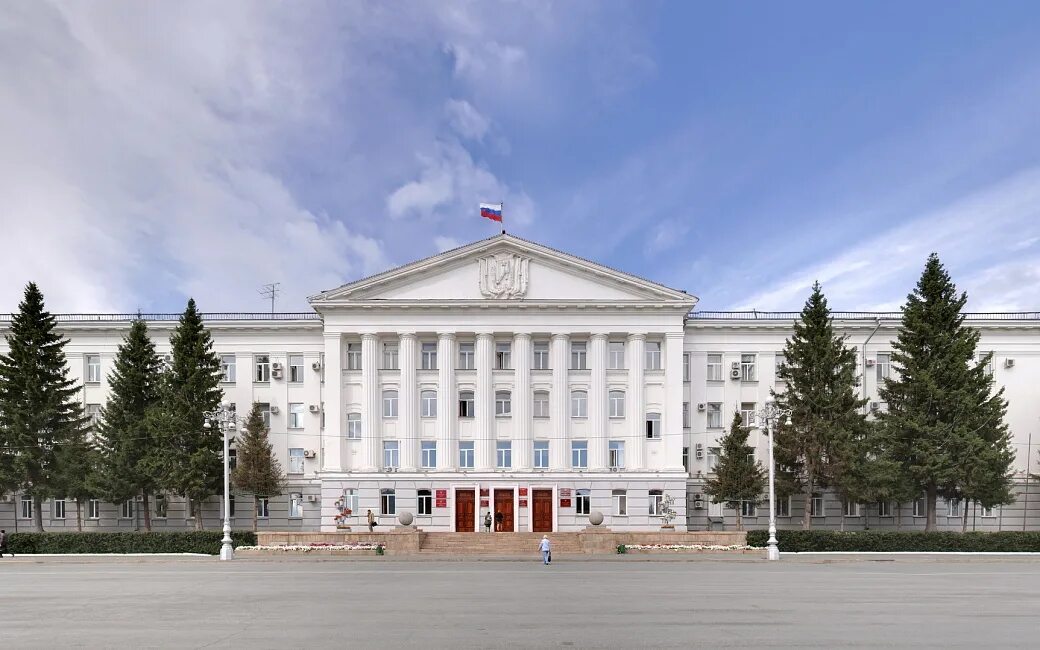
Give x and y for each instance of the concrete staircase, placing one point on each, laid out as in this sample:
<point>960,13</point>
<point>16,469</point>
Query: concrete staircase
<point>497,543</point>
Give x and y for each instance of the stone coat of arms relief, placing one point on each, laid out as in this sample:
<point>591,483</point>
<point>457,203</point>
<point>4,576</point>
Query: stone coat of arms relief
<point>504,276</point>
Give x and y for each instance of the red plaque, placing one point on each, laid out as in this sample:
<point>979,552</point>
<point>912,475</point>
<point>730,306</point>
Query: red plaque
<point>442,494</point>
<point>565,503</point>
<point>483,503</point>
<point>484,492</point>
<point>442,503</point>
<point>565,492</point>
<point>523,492</point>
<point>523,503</point>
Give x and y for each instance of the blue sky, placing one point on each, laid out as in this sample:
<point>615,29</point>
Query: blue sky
<point>738,151</point>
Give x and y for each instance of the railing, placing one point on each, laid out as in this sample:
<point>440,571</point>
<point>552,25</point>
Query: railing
<point>214,316</point>
<point>851,315</point>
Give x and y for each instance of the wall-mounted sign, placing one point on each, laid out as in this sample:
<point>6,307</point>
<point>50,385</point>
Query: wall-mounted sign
<point>442,494</point>
<point>523,503</point>
<point>484,492</point>
<point>565,503</point>
<point>523,492</point>
<point>483,503</point>
<point>442,503</point>
<point>565,492</point>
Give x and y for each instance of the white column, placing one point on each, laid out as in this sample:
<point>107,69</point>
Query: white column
<point>598,403</point>
<point>671,419</point>
<point>332,454</point>
<point>408,404</point>
<point>522,399</point>
<point>447,403</point>
<point>635,411</point>
<point>371,405</point>
<point>560,441</point>
<point>484,398</point>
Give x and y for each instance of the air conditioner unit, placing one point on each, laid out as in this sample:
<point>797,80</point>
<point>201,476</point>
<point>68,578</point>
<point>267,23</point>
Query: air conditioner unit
<point>314,408</point>
<point>310,453</point>
<point>875,407</point>
<point>312,498</point>
<point>276,366</point>
<point>275,410</point>
<point>615,469</point>
<point>734,374</point>
<point>140,498</point>
<point>735,365</point>
<point>698,502</point>
<point>276,374</point>
<point>6,498</point>
<point>870,363</point>
<point>316,366</point>
<point>698,451</point>
<point>701,406</point>
<point>1009,363</point>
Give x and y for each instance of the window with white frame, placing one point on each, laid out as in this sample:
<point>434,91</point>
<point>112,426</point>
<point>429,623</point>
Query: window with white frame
<point>191,508</point>
<point>988,511</point>
<point>228,366</point>
<point>747,414</point>
<point>616,355</point>
<point>467,358</point>
<point>466,404</point>
<point>503,356</point>
<point>265,413</point>
<point>747,367</point>
<point>582,501</point>
<point>579,404</point>
<point>162,505</point>
<point>989,363</point>
<point>425,502</point>
<point>541,454</point>
<point>783,507</point>
<point>295,460</point>
<point>920,507</point>
<point>391,454</point>
<point>884,508</point>
<point>541,356</point>
<point>686,366</point>
<point>579,454</point>
<point>350,500</point>
<point>93,368</point>
<point>428,454</point>
<point>748,508</point>
<point>389,403</point>
<point>295,505</point>
<point>387,502</point>
<point>616,403</point>
<point>296,411</point>
<point>686,415</point>
<point>714,413</point>
<point>262,368</point>
<point>851,509</point>
<point>428,361</point>
<point>778,364</point>
<point>714,367</point>
<point>883,365</point>
<point>466,454</point>
<point>428,403</point>
<point>653,355</point>
<point>541,404</point>
<point>93,414</point>
<point>620,502</point>
<point>126,509</point>
<point>656,501</point>
<point>354,426</point>
<point>58,508</point>
<point>653,426</point>
<point>953,507</point>
<point>94,509</point>
<point>353,356</point>
<point>391,356</point>
<point>579,356</point>
<point>816,506</point>
<point>263,507</point>
<point>26,509</point>
<point>713,458</point>
<point>616,454</point>
<point>296,368</point>
<point>503,404</point>
<point>503,454</point>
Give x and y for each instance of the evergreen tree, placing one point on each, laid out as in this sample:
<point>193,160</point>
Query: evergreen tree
<point>38,408</point>
<point>819,444</point>
<point>186,454</point>
<point>738,476</point>
<point>79,463</point>
<point>257,471</point>
<point>125,440</point>
<point>945,424</point>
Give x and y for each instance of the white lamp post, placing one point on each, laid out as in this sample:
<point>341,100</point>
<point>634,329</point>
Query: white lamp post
<point>225,419</point>
<point>770,414</point>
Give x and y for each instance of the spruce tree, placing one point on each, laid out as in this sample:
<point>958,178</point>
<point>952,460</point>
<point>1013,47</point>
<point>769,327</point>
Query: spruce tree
<point>186,454</point>
<point>38,408</point>
<point>79,466</point>
<point>819,443</point>
<point>738,476</point>
<point>945,424</point>
<point>257,471</point>
<point>124,439</point>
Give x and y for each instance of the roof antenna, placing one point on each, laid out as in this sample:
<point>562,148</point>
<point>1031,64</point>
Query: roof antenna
<point>270,291</point>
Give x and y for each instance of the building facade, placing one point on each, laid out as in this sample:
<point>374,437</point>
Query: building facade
<point>511,378</point>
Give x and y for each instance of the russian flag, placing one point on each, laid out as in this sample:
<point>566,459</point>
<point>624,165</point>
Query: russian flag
<point>491,211</point>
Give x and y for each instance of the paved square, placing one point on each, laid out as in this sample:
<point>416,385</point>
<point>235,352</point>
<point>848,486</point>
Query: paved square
<point>609,603</point>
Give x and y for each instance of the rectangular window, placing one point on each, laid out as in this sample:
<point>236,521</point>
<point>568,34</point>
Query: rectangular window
<point>391,454</point>
<point>26,510</point>
<point>295,505</point>
<point>579,356</point>
<point>686,366</point>
<point>296,368</point>
<point>354,426</point>
<point>579,454</point>
<point>851,509</point>
<point>350,500</point>
<point>263,507</point>
<point>387,501</point>
<point>541,404</point>
<point>466,405</point>
<point>429,454</point>
<point>228,368</point>
<point>656,502</point>
<point>653,426</point>
<point>296,460</point>
<point>429,356</point>
<point>686,415</point>
<point>504,454</point>
<point>265,412</point>
<point>714,411</point>
<point>747,367</point>
<point>884,365</point>
<point>126,510</point>
<point>653,355</point>
<point>93,368</point>
<point>616,454</point>
<point>582,501</point>
<point>59,508</point>
<point>503,360</point>
<point>953,507</point>
<point>747,414</point>
<point>94,509</point>
<point>920,507</point>
<point>816,506</point>
<point>428,404</point>
<point>425,505</point>
<point>989,512</point>
<point>296,412</point>
<point>783,507</point>
<point>620,500</point>
<point>466,454</point>
<point>541,356</point>
<point>686,458</point>
<point>989,371</point>
<point>616,355</point>
<point>232,458</point>
<point>353,356</point>
<point>616,404</point>
<point>541,454</point>
<point>466,357</point>
<point>713,458</point>
<point>884,508</point>
<point>390,357</point>
<point>579,404</point>
<point>262,365</point>
<point>161,506</point>
<point>503,404</point>
<point>389,403</point>
<point>778,364</point>
<point>714,367</point>
<point>93,412</point>
<point>748,509</point>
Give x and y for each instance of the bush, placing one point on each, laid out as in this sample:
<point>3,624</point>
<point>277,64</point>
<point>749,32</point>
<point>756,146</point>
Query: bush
<point>804,541</point>
<point>207,541</point>
<point>622,549</point>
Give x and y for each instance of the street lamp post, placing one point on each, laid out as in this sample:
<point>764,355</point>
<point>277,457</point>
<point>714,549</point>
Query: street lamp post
<point>770,414</point>
<point>225,420</point>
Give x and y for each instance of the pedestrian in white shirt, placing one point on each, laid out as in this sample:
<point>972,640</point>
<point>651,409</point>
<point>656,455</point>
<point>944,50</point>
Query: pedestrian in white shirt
<point>546,550</point>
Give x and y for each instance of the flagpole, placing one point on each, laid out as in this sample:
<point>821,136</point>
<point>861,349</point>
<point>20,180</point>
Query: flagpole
<point>503,204</point>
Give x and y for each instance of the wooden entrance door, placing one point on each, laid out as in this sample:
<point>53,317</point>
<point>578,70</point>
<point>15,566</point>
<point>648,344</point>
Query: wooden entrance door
<point>504,506</point>
<point>465,502</point>
<point>541,511</point>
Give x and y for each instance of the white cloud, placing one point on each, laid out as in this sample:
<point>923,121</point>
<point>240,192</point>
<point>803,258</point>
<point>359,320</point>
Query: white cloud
<point>445,243</point>
<point>466,120</point>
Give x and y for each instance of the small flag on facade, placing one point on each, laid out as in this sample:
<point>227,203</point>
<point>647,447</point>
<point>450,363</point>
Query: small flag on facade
<point>491,211</point>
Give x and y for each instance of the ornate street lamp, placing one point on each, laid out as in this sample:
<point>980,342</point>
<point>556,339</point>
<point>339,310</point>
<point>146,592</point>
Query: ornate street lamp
<point>770,415</point>
<point>225,419</point>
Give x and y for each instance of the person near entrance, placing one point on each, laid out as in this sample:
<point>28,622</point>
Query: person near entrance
<point>499,518</point>
<point>371,521</point>
<point>487,522</point>
<point>546,548</point>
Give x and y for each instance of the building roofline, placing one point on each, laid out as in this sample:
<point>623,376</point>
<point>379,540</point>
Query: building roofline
<point>172,317</point>
<point>755,315</point>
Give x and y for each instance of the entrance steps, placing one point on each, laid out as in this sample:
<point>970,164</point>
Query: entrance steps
<point>498,543</point>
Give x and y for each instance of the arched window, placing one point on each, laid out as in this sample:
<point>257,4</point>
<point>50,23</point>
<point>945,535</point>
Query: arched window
<point>389,403</point>
<point>503,404</point>
<point>653,426</point>
<point>354,426</point>
<point>616,403</point>
<point>428,403</point>
<point>579,404</point>
<point>541,404</point>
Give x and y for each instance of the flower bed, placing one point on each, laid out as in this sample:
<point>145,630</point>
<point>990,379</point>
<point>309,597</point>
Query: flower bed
<point>685,548</point>
<point>320,548</point>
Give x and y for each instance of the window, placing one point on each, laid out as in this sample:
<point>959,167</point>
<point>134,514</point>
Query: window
<point>389,403</point>
<point>354,426</point>
<point>263,507</point>
<point>350,500</point>
<point>620,500</point>
<point>93,368</point>
<point>387,501</point>
<point>59,508</point>
<point>466,356</point>
<point>884,508</point>
<point>126,510</point>
<point>295,505</point>
<point>778,364</point>
<point>579,356</point>
<point>783,507</point>
<point>816,506</point>
<point>616,403</point>
<point>714,367</point>
<point>616,355</point>
<point>653,355</point>
<point>466,454</point>
<point>232,458</point>
<point>686,458</point>
<point>161,506</point>
<point>265,411</point>
<point>390,357</point>
<point>656,502</point>
<point>94,508</point>
<point>747,414</point>
<point>262,365</point>
<point>502,356</point>
<point>989,511</point>
<point>616,454</point>
<point>686,366</point>
<point>883,365</point>
<point>541,454</point>
<point>747,367</point>
<point>353,356</point>
<point>579,404</point>
<point>93,412</point>
<point>541,404</point>
<point>582,501</point>
<point>231,505</point>
<point>190,508</point>
<point>227,368</point>
<point>851,509</point>
<point>748,508</point>
<point>989,371</point>
<point>466,406</point>
<point>579,454</point>
<point>425,502</point>
<point>428,403</point>
<point>429,454</point>
<point>26,510</point>
<point>391,454</point>
<point>428,359</point>
<point>296,415</point>
<point>504,454</point>
<point>686,415</point>
<point>296,460</point>
<point>296,368</point>
<point>503,404</point>
<point>714,410</point>
<point>953,507</point>
<point>653,426</point>
<point>713,458</point>
<point>541,356</point>
<point>920,507</point>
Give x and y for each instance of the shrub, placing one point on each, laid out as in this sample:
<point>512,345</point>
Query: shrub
<point>161,542</point>
<point>890,541</point>
<point>622,549</point>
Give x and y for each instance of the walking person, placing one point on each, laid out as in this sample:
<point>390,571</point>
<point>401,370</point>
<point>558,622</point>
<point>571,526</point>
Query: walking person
<point>371,521</point>
<point>499,518</point>
<point>546,548</point>
<point>3,543</point>
<point>487,522</point>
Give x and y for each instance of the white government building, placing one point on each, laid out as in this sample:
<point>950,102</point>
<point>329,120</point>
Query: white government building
<point>510,377</point>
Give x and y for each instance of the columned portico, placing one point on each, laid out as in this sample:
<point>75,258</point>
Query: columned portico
<point>559,400</point>
<point>484,445</point>
<point>371,404</point>
<point>636,406</point>
<point>522,401</point>
<point>447,410</point>
<point>598,403</point>
<point>408,404</point>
